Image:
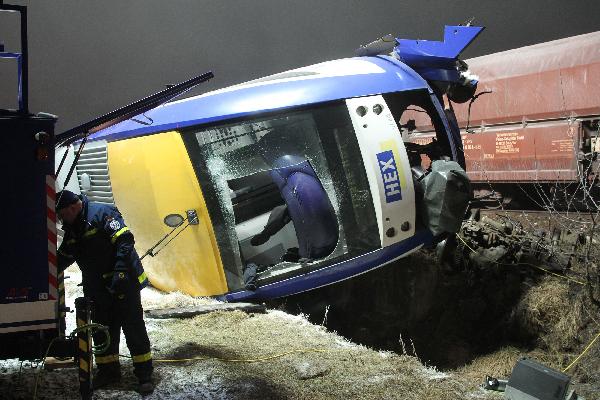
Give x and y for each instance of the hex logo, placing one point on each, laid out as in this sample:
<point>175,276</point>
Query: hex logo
<point>389,174</point>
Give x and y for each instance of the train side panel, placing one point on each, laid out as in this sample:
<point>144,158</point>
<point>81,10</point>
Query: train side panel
<point>152,177</point>
<point>544,152</point>
<point>541,152</point>
<point>29,288</point>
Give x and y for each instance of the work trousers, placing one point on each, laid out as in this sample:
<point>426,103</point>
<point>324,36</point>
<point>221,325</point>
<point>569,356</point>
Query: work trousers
<point>126,313</point>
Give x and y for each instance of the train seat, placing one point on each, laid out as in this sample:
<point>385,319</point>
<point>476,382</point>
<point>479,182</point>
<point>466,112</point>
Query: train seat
<point>306,205</point>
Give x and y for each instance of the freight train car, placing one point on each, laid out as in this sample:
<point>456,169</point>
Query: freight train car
<point>292,181</point>
<point>530,139</point>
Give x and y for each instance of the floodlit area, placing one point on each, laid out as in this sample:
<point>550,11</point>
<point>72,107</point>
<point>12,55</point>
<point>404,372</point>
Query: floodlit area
<point>245,356</point>
<point>277,355</point>
<point>345,218</point>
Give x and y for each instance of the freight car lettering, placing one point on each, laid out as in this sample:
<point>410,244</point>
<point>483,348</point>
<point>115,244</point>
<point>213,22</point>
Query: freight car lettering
<point>506,142</point>
<point>488,156</point>
<point>562,145</point>
<point>389,174</point>
<point>468,144</point>
<point>507,150</point>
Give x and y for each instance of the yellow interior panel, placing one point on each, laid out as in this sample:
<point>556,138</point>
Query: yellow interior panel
<point>151,177</point>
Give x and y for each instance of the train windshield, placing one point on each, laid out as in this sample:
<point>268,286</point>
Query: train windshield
<point>287,192</point>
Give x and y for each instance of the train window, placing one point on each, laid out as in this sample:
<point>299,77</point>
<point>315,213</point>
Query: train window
<point>420,125</point>
<point>287,192</point>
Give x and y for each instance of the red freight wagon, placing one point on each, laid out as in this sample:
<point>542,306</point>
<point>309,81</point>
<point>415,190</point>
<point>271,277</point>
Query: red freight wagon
<point>538,125</point>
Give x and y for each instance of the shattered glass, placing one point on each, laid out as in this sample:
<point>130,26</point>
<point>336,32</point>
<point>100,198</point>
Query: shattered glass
<point>238,156</point>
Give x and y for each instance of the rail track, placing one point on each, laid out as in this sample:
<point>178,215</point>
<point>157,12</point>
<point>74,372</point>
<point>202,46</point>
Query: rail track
<point>547,220</point>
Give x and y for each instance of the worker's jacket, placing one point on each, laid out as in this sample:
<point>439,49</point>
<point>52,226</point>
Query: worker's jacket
<point>101,244</point>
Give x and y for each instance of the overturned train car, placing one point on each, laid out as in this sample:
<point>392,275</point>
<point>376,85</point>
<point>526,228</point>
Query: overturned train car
<point>531,138</point>
<point>293,181</point>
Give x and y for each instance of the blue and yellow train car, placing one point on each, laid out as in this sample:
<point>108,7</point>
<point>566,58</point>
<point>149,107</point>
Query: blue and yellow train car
<point>292,181</point>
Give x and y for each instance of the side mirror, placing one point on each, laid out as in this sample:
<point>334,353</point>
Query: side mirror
<point>173,220</point>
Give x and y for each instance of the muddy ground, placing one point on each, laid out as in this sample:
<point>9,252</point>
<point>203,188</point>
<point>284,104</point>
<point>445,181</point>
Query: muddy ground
<point>410,330</point>
<point>470,323</point>
<point>322,365</point>
<point>463,328</point>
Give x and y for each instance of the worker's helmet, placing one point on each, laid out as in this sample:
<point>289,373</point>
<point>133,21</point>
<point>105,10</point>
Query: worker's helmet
<point>65,198</point>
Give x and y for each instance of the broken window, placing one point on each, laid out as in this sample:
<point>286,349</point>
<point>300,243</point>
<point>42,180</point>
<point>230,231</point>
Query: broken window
<point>287,191</point>
<point>421,127</point>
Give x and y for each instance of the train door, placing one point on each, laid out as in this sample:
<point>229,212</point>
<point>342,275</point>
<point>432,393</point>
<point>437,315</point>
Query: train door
<point>152,178</point>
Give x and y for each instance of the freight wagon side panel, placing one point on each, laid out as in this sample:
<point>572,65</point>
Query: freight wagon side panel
<point>536,152</point>
<point>542,152</point>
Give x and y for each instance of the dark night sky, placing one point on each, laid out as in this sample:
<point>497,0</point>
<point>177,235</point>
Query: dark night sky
<point>90,57</point>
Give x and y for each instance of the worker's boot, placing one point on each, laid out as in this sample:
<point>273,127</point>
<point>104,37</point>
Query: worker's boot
<point>146,386</point>
<point>107,375</point>
<point>144,371</point>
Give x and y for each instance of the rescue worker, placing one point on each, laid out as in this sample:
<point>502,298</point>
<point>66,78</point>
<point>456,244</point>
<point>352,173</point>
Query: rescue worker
<point>97,238</point>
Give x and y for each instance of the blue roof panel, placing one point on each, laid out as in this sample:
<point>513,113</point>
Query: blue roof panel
<point>332,80</point>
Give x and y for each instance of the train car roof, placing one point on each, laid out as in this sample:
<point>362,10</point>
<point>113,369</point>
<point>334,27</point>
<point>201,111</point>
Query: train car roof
<point>327,81</point>
<point>556,79</point>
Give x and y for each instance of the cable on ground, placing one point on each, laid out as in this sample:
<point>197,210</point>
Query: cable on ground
<point>589,346</point>
<point>95,349</point>
<point>240,360</point>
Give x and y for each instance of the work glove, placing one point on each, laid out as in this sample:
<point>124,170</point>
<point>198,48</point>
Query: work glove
<point>120,282</point>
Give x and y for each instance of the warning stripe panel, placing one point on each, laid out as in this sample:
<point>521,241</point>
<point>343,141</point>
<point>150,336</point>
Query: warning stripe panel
<point>51,240</point>
<point>51,226</point>
<point>53,271</point>
<point>53,282</point>
<point>51,258</point>
<point>50,190</point>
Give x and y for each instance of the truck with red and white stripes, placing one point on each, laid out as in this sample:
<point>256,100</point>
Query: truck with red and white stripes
<point>31,299</point>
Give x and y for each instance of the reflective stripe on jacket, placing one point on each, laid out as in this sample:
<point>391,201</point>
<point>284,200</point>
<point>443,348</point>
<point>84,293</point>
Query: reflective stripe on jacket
<point>101,244</point>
